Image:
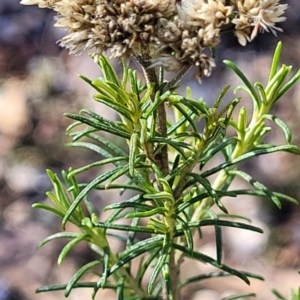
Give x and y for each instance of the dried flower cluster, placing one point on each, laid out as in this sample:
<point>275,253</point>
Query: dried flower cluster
<point>173,33</point>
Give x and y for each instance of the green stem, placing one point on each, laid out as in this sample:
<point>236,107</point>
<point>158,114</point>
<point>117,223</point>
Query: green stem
<point>151,77</point>
<point>161,158</point>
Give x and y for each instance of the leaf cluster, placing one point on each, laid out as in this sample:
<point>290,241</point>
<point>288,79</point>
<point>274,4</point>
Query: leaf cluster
<point>169,211</point>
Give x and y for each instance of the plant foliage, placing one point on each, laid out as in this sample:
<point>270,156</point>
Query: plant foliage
<point>168,209</point>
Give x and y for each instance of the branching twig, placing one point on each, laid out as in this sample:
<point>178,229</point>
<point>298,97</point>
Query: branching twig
<point>161,158</point>
<point>183,71</point>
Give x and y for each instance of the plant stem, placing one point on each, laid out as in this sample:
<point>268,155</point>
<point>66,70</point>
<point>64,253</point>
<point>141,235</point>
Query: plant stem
<point>150,74</point>
<point>161,158</point>
<point>177,78</point>
<point>161,127</point>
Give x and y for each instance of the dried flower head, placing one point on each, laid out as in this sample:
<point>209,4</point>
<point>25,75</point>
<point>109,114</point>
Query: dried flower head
<point>40,3</point>
<point>257,15</point>
<point>173,33</point>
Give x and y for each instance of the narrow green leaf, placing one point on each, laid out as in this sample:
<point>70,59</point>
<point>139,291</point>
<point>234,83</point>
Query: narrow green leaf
<point>133,147</point>
<point>112,217</point>
<point>103,177</point>
<point>108,225</point>
<point>163,196</point>
<point>125,74</point>
<point>143,132</point>
<point>108,70</point>
<point>146,97</point>
<point>163,259</point>
<point>109,90</point>
<point>278,295</point>
<point>118,107</point>
<point>141,180</point>
<point>212,151</point>
<point>274,86</point>
<point>166,187</point>
<point>262,93</point>
<point>217,222</point>
<point>166,274</point>
<point>258,185</point>
<point>83,270</point>
<point>188,236</point>
<point>215,275</point>
<point>242,296</point>
<point>87,80</point>
<point>229,110</point>
<point>196,106</point>
<point>49,208</point>
<point>275,60</point>
<point>135,199</point>
<point>99,123</point>
<point>56,201</point>
<point>286,130</point>
<point>174,166</point>
<point>69,246</point>
<point>120,289</point>
<point>72,183</point>
<point>219,243</point>
<point>144,214</point>
<point>242,123</point>
<point>102,281</point>
<point>204,258</point>
<point>183,206</point>
<point>288,85</point>
<point>59,287</point>
<point>221,96</point>
<point>271,149</point>
<point>178,146</point>
<point>201,195</point>
<point>133,81</point>
<point>113,160</point>
<point>249,86</point>
<point>144,266</point>
<point>60,199</point>
<point>158,290</point>
<point>113,148</point>
<point>182,120</point>
<point>187,117</point>
<point>92,147</point>
<point>127,204</point>
<point>112,128</point>
<point>158,100</point>
<point>116,186</point>
<point>117,175</point>
<point>212,193</point>
<point>262,193</point>
<point>68,235</point>
<point>131,234</point>
<point>136,250</point>
<point>158,226</point>
<point>233,216</point>
<point>187,134</point>
<point>77,135</point>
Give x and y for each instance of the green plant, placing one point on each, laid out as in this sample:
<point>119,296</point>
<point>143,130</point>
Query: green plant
<point>295,295</point>
<point>164,161</point>
<point>177,204</point>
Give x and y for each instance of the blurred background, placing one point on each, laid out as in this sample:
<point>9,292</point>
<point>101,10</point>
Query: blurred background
<point>38,83</point>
